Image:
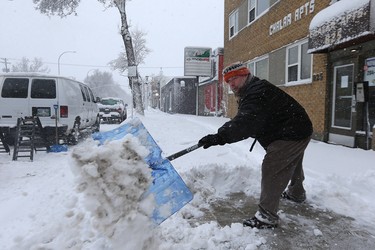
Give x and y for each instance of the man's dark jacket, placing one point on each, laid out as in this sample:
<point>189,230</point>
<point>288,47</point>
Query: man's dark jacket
<point>267,114</point>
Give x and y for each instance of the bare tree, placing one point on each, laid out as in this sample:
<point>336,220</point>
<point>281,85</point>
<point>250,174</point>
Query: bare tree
<point>26,66</point>
<point>140,52</point>
<point>103,85</point>
<point>99,79</point>
<point>68,7</point>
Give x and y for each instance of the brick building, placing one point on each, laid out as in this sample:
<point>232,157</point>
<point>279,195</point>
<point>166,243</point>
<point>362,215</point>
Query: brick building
<point>276,39</point>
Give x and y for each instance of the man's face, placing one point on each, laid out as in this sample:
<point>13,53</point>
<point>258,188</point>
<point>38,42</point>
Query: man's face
<point>236,83</point>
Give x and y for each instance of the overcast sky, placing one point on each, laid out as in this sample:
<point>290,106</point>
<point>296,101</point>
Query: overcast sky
<point>171,25</point>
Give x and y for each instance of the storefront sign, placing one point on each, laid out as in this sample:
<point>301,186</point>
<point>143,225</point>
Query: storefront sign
<point>197,61</point>
<point>287,20</point>
<point>370,71</point>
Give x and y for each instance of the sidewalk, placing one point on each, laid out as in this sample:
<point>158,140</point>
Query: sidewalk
<point>301,225</point>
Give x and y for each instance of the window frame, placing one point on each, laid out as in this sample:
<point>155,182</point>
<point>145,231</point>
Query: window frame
<point>91,95</point>
<point>298,64</point>
<point>35,92</point>
<point>254,62</point>
<point>257,15</point>
<point>13,89</point>
<point>233,17</point>
<point>83,92</point>
<point>87,92</point>
<point>249,10</point>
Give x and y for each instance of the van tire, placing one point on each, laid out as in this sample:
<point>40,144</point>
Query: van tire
<point>74,135</point>
<point>96,126</point>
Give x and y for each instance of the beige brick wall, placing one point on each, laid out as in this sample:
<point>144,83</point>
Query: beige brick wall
<point>314,97</point>
<point>255,40</point>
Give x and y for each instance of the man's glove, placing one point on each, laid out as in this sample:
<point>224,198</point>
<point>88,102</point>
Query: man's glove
<point>211,140</point>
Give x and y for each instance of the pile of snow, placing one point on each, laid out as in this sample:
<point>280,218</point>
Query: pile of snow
<point>106,209</point>
<point>112,179</point>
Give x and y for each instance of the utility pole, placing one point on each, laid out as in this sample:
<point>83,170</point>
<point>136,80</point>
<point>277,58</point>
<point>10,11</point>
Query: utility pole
<point>160,79</point>
<point>5,61</point>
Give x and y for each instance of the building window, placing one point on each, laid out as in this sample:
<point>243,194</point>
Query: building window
<point>233,24</point>
<point>259,68</point>
<point>299,64</point>
<point>262,6</point>
<point>293,64</point>
<point>257,8</point>
<point>251,10</point>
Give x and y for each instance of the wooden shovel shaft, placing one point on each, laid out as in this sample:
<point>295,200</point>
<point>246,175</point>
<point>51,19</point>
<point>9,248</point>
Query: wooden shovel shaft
<point>183,152</point>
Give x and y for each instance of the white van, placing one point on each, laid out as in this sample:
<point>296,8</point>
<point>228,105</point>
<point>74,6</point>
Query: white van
<point>34,94</point>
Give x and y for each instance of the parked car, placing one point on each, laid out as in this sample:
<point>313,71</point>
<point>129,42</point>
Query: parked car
<point>112,110</point>
<point>33,94</point>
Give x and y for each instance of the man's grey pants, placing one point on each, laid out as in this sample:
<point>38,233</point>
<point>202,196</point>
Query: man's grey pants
<point>281,164</point>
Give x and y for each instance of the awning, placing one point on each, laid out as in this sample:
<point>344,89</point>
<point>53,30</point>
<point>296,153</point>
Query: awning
<point>342,24</point>
<point>209,81</point>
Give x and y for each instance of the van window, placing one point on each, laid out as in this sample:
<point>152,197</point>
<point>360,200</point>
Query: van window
<point>87,94</point>
<point>83,93</point>
<point>43,89</point>
<point>92,95</point>
<point>15,88</point>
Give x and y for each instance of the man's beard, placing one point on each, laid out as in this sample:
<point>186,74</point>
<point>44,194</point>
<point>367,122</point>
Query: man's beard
<point>236,93</point>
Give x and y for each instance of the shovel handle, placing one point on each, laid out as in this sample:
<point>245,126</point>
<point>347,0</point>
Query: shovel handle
<point>183,152</point>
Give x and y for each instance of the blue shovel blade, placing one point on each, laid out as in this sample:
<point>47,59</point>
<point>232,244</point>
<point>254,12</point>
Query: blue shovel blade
<point>169,190</point>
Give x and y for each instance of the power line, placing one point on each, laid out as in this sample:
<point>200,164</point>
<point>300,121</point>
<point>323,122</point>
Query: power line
<point>104,66</point>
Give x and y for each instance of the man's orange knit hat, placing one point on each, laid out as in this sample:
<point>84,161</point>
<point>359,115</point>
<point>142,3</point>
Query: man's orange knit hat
<point>235,69</point>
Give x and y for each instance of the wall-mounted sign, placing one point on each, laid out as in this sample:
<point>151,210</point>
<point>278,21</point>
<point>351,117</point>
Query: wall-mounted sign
<point>342,27</point>
<point>370,71</point>
<point>197,61</point>
<point>132,71</point>
<point>304,10</point>
<point>344,82</point>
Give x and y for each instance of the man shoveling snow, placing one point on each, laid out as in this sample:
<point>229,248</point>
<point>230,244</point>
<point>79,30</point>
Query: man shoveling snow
<point>282,127</point>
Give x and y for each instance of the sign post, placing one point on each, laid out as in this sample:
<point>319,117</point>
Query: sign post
<point>56,106</point>
<point>197,62</point>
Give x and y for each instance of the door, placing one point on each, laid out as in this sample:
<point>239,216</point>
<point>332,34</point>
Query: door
<point>43,96</point>
<point>342,131</point>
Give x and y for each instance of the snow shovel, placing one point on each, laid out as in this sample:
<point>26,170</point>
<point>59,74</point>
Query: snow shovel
<point>168,189</point>
<point>183,152</point>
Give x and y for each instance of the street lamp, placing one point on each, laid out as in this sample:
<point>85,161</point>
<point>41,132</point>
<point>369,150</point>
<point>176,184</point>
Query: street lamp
<point>58,61</point>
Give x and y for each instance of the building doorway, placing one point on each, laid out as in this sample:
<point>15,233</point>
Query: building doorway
<point>342,130</point>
